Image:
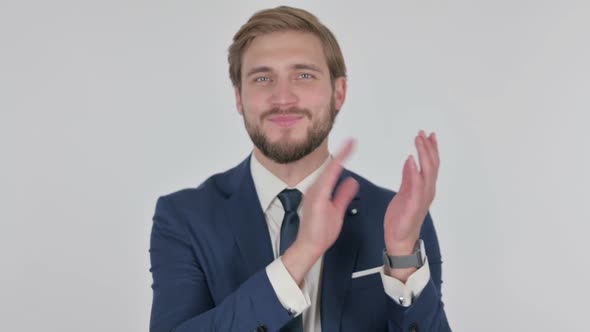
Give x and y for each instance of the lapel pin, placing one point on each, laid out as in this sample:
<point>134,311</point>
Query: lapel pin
<point>353,211</point>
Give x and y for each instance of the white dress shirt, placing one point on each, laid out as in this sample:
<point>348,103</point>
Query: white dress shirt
<point>306,300</point>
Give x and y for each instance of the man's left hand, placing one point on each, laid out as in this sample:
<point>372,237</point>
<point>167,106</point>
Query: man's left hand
<point>407,210</point>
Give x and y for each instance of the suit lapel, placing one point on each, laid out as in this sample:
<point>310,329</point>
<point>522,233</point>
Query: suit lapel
<point>339,262</point>
<point>247,222</point>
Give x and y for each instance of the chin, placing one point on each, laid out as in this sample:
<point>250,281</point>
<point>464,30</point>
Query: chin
<point>288,136</point>
<point>287,141</point>
<point>280,134</point>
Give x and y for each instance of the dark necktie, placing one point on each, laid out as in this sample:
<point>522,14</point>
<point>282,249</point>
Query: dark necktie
<point>290,198</point>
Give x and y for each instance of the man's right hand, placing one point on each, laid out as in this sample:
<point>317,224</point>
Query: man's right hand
<point>322,217</point>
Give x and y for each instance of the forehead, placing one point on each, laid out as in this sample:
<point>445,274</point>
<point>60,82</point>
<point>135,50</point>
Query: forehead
<point>282,49</point>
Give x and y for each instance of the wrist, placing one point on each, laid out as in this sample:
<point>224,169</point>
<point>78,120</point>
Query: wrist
<point>400,274</point>
<point>401,265</point>
<point>307,250</point>
<point>401,247</point>
<point>298,260</point>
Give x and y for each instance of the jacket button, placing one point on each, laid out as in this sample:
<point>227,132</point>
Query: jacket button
<point>413,328</point>
<point>261,328</point>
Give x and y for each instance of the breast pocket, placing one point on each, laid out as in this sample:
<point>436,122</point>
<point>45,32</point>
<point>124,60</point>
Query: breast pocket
<point>366,305</point>
<point>371,280</point>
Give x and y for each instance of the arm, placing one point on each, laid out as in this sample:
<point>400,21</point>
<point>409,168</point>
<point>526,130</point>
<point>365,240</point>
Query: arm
<point>406,220</point>
<point>181,296</point>
<point>426,311</point>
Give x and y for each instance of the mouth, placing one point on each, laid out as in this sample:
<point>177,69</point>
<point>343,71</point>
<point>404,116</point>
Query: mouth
<point>286,121</point>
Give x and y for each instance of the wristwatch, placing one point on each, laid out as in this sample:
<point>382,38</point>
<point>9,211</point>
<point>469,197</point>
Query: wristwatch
<point>402,262</point>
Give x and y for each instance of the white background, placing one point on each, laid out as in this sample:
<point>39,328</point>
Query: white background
<point>106,105</point>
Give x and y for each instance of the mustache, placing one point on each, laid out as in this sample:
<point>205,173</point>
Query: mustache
<point>288,111</point>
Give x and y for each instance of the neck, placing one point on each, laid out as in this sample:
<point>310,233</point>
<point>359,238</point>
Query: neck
<point>295,172</point>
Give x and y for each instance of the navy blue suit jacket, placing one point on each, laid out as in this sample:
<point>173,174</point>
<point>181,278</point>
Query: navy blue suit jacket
<point>210,246</point>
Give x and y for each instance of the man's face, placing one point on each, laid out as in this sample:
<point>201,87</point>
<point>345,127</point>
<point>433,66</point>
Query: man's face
<point>287,99</point>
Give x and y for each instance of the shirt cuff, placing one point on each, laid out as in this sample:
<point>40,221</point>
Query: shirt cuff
<point>404,294</point>
<point>287,290</point>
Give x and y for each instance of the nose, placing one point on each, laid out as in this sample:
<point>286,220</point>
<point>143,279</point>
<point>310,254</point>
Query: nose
<point>283,94</point>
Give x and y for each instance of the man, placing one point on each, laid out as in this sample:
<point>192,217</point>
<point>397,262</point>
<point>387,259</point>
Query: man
<point>289,240</point>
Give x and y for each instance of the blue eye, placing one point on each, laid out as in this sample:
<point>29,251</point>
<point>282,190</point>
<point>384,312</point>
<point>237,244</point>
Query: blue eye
<point>262,79</point>
<point>306,75</point>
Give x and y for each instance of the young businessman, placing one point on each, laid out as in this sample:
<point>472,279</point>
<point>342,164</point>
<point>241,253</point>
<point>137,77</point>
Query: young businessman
<point>289,240</point>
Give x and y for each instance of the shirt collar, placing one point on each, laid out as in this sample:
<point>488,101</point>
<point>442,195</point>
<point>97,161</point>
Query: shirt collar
<point>269,186</point>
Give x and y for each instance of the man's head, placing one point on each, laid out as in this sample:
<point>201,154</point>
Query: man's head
<point>289,78</point>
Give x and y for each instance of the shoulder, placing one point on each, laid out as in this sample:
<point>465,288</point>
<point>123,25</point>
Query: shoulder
<point>212,190</point>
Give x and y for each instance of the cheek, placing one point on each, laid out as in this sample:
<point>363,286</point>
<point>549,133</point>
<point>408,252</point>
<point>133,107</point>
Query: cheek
<point>251,109</point>
<point>320,102</point>
<point>253,102</point>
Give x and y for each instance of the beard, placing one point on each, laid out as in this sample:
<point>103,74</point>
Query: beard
<point>285,151</point>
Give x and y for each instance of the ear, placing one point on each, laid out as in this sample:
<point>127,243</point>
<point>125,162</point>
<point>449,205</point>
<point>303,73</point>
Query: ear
<point>339,92</point>
<point>238,100</point>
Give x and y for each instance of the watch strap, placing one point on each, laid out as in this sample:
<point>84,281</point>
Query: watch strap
<point>407,261</point>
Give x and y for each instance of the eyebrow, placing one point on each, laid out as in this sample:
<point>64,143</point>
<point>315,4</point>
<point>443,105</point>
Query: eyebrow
<point>308,67</point>
<point>259,69</point>
<point>267,69</point>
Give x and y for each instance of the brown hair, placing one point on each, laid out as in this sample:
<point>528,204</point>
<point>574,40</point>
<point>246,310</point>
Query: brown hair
<point>283,18</point>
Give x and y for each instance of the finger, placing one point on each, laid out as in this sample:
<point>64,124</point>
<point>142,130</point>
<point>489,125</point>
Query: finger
<point>332,172</point>
<point>428,174</point>
<point>428,146</point>
<point>344,194</point>
<point>433,150</point>
<point>431,154</point>
<point>423,156</point>
<point>429,165</point>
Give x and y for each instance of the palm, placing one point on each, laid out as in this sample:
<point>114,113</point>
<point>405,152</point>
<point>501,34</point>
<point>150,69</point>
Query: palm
<point>403,207</point>
<point>408,208</point>
<point>323,216</point>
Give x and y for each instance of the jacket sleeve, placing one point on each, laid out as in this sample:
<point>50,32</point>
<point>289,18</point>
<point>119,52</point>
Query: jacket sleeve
<point>426,313</point>
<point>181,297</point>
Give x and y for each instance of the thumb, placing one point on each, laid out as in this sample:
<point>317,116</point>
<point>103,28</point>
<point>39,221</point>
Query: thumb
<point>408,173</point>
